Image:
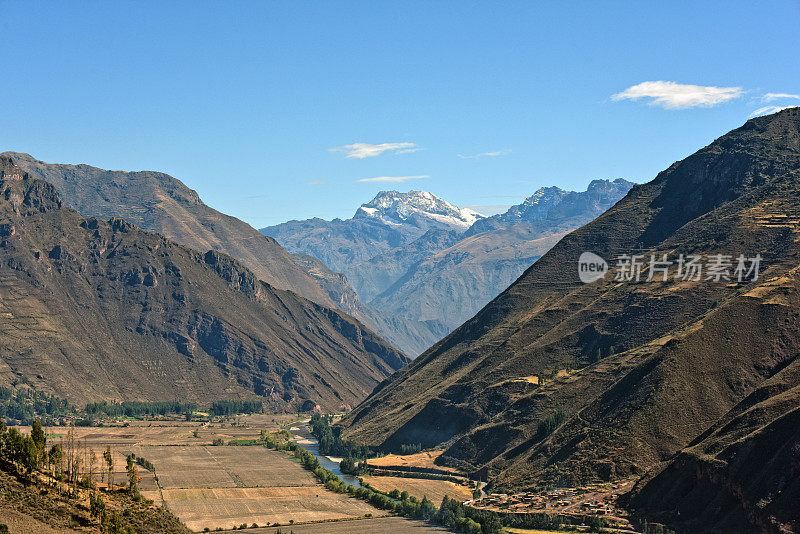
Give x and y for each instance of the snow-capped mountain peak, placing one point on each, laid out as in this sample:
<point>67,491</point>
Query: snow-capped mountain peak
<point>416,208</point>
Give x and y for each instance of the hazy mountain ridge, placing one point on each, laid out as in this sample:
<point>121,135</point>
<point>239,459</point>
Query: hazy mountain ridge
<point>97,310</point>
<point>554,203</point>
<point>674,357</point>
<point>411,335</point>
<point>450,271</point>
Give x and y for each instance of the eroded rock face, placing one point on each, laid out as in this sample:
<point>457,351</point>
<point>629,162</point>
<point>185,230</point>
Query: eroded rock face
<point>112,312</point>
<point>157,202</point>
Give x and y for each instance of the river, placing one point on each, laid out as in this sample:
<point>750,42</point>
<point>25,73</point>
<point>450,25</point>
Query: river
<point>303,437</point>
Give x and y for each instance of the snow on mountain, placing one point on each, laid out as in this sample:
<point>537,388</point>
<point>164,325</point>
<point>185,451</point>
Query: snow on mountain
<point>416,207</point>
<point>555,204</point>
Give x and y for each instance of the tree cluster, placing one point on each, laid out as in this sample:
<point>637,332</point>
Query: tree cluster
<point>24,405</point>
<point>331,443</point>
<point>139,408</point>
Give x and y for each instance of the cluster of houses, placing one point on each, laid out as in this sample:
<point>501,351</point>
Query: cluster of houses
<point>566,500</point>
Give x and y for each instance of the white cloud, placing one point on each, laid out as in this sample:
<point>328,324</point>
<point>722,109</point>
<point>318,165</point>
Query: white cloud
<point>488,209</point>
<point>769,110</point>
<point>769,97</point>
<point>366,150</point>
<point>494,154</point>
<point>394,178</point>
<point>672,95</point>
<point>316,182</point>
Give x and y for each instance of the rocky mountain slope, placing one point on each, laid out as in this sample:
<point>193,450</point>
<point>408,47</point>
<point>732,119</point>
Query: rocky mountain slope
<point>559,381</point>
<point>95,310</point>
<point>157,202</point>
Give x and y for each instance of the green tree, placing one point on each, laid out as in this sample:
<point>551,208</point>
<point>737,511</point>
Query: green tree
<point>109,458</point>
<point>29,455</point>
<point>39,439</point>
<point>3,434</point>
<point>133,486</point>
<point>55,457</point>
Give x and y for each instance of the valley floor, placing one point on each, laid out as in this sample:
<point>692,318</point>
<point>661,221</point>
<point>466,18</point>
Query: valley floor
<point>227,485</point>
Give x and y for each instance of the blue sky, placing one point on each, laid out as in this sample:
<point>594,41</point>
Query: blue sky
<point>244,101</point>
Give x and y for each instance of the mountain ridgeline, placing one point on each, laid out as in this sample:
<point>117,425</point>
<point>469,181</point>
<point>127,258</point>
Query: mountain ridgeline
<point>157,202</point>
<point>416,258</point>
<point>689,384</point>
<point>96,310</point>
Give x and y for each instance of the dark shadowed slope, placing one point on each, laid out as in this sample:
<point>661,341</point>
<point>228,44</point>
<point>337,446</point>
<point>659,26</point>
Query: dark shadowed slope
<point>743,474</point>
<point>639,370</point>
<point>95,310</point>
<point>159,203</point>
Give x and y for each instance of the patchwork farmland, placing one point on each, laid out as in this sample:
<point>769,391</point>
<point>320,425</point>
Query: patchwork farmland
<point>434,490</point>
<point>228,484</point>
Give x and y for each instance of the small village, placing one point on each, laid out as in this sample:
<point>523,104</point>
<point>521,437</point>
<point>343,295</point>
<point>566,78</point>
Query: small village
<point>598,500</point>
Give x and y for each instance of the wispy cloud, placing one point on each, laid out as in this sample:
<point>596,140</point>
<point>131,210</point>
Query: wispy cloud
<point>394,178</point>
<point>316,182</point>
<point>488,209</point>
<point>769,110</point>
<point>672,95</point>
<point>366,150</point>
<point>494,154</point>
<point>769,97</point>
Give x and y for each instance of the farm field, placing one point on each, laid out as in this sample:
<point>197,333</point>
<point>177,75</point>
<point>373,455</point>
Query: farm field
<point>203,466</point>
<point>423,459</point>
<point>213,486</point>
<point>435,490</point>
<point>380,525</point>
<point>226,507</point>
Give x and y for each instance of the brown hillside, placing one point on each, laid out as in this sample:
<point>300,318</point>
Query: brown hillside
<point>157,202</point>
<point>676,356</point>
<point>95,310</point>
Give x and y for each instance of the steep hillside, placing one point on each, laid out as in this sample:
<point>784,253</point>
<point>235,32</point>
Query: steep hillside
<point>157,202</point>
<point>97,310</point>
<point>743,473</point>
<point>623,374</point>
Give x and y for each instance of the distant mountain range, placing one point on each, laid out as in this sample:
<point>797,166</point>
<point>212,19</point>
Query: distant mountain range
<point>688,383</point>
<point>419,258</point>
<point>98,310</point>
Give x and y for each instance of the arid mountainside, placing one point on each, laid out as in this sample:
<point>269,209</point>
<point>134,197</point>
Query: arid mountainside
<point>747,466</point>
<point>95,310</point>
<point>157,202</point>
<point>556,380</point>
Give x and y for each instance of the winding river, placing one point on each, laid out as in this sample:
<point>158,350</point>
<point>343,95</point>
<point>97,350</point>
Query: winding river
<point>303,437</point>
